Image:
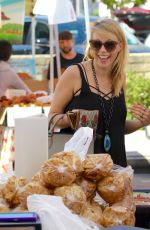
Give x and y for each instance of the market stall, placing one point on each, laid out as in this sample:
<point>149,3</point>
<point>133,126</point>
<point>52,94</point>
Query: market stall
<point>17,107</point>
<point>66,191</point>
<point>78,183</point>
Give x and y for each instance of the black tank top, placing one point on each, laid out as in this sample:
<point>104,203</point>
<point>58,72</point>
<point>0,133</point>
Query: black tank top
<point>90,101</point>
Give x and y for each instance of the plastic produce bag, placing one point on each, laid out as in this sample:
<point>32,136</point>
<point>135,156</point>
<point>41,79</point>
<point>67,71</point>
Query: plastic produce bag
<point>54,215</point>
<point>81,141</point>
<point>122,170</point>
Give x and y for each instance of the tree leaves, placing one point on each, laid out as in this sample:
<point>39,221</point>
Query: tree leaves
<point>115,4</point>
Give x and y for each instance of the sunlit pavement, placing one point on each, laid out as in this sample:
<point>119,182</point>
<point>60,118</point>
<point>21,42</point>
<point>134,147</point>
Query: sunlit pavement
<point>138,155</point>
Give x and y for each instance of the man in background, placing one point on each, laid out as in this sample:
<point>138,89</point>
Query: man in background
<point>68,56</point>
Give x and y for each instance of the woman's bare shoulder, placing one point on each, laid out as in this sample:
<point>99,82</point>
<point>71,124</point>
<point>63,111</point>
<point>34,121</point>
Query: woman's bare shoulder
<point>70,77</point>
<point>73,69</point>
<point>72,72</point>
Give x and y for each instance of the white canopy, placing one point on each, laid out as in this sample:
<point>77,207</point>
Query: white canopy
<point>57,12</point>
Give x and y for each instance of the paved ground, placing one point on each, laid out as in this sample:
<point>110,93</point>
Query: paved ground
<point>138,150</point>
<point>139,143</point>
<point>138,154</point>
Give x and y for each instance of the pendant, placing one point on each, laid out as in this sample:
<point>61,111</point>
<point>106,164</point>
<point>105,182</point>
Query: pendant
<point>107,142</point>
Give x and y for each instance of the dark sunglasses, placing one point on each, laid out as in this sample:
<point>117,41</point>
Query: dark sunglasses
<point>109,45</point>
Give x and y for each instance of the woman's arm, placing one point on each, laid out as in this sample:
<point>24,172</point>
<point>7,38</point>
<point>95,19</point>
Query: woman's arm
<point>17,83</point>
<point>65,89</point>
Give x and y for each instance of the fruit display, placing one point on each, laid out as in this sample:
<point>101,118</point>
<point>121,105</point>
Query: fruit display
<point>67,176</point>
<point>10,108</point>
<point>26,100</point>
<point>24,75</point>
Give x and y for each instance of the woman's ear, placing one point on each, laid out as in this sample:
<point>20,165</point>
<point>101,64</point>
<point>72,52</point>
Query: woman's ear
<point>120,45</point>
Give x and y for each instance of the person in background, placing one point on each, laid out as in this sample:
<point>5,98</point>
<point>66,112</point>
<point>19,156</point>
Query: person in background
<point>8,78</point>
<point>67,54</point>
<point>99,83</point>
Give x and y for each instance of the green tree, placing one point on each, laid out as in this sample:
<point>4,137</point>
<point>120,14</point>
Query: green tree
<point>137,90</point>
<point>115,4</point>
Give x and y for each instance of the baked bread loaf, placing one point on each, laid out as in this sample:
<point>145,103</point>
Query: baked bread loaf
<point>36,177</point>
<point>89,187</point>
<point>72,159</point>
<point>73,196</point>
<point>57,172</point>
<point>93,212</point>
<point>114,216</point>
<point>11,188</point>
<point>112,188</point>
<point>127,202</point>
<point>4,206</point>
<point>29,189</point>
<point>97,166</point>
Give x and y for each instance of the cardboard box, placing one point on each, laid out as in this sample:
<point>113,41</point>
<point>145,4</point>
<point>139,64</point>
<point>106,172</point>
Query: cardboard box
<point>35,85</point>
<point>31,145</point>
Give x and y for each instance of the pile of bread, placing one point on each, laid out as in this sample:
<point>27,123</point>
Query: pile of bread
<point>77,182</point>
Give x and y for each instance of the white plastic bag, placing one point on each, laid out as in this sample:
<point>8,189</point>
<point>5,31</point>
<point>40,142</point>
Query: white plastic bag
<point>54,215</point>
<point>128,170</point>
<point>80,142</point>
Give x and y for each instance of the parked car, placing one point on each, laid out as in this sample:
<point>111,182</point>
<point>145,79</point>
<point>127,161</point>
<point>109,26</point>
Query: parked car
<point>42,34</point>
<point>137,18</point>
<point>41,37</point>
<point>77,28</point>
<point>134,43</point>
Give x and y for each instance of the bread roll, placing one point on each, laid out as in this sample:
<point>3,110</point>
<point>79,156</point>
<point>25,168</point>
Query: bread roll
<point>127,202</point>
<point>29,189</point>
<point>114,216</point>
<point>89,187</point>
<point>4,206</point>
<point>73,196</point>
<point>93,212</point>
<point>57,172</point>
<point>72,159</point>
<point>112,188</point>
<point>36,177</point>
<point>97,166</point>
<point>11,188</point>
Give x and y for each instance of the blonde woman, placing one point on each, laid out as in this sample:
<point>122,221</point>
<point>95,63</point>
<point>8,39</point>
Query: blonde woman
<point>99,84</point>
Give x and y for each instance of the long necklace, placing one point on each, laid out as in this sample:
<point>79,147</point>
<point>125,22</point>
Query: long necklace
<point>107,116</point>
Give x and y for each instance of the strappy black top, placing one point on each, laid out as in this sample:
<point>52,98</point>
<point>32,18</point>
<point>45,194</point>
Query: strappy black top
<point>90,101</point>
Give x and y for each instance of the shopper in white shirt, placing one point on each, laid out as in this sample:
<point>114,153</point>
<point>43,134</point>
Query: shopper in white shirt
<point>8,77</point>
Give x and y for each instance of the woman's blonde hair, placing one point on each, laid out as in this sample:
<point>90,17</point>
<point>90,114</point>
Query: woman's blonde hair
<point>118,67</point>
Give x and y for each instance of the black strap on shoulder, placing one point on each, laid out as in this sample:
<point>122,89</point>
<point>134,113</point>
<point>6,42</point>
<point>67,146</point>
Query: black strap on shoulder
<point>85,85</point>
<point>84,72</point>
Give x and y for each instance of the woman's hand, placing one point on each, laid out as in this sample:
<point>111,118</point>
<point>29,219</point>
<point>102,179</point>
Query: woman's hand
<point>141,113</point>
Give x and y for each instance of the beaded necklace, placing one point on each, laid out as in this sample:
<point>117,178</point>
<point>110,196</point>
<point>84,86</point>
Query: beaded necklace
<point>107,116</point>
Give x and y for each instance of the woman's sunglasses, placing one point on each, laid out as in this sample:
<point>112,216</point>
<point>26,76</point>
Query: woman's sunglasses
<point>109,45</point>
